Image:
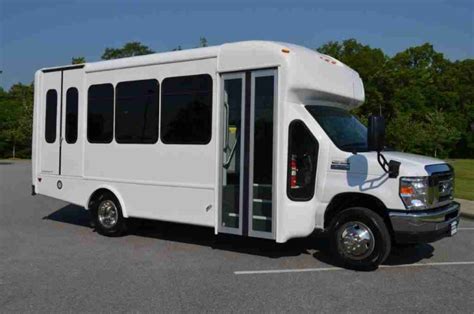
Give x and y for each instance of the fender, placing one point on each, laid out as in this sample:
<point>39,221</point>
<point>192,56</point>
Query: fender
<point>115,192</point>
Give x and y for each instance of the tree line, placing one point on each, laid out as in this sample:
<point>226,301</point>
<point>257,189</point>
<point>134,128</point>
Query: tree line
<point>427,100</point>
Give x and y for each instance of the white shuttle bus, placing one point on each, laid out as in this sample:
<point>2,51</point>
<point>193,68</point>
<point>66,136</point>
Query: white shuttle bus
<point>251,138</point>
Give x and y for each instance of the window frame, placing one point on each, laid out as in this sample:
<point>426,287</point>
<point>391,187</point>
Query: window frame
<point>77,116</point>
<point>288,175</point>
<point>211,105</point>
<point>113,114</point>
<point>46,125</point>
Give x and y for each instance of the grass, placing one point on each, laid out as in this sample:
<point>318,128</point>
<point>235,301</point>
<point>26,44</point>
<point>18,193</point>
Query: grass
<point>464,184</point>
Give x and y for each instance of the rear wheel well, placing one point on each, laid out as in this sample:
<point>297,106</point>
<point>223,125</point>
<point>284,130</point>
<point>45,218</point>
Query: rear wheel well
<point>347,200</point>
<point>95,196</point>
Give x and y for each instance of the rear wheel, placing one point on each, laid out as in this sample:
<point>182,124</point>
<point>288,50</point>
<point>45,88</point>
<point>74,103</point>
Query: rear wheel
<point>360,238</point>
<point>107,215</point>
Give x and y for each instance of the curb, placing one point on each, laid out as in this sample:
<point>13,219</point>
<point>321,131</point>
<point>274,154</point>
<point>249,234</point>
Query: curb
<point>467,215</point>
<point>467,208</point>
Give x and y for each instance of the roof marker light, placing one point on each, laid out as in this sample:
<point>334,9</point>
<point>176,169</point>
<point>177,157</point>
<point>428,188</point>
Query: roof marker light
<point>285,50</point>
<point>327,60</point>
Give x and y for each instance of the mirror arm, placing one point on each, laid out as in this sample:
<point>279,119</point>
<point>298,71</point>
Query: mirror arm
<point>392,167</point>
<point>382,161</point>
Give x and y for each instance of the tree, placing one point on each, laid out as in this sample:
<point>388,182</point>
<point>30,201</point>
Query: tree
<point>440,136</point>
<point>463,75</point>
<point>16,116</point>
<point>128,50</point>
<point>203,42</point>
<point>428,101</point>
<point>78,60</point>
<point>370,64</point>
<point>404,132</point>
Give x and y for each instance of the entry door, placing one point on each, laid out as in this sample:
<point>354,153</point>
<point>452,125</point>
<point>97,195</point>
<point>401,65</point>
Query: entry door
<point>249,108</point>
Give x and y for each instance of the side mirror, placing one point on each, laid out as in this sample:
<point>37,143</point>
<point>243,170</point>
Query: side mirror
<point>376,142</point>
<point>376,133</point>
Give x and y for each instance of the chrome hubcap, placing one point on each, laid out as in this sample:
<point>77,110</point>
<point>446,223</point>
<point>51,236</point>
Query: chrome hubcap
<point>108,214</point>
<point>355,240</point>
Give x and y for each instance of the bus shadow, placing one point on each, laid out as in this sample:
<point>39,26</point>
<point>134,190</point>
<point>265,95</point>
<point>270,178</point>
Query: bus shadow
<point>204,236</point>
<point>71,214</point>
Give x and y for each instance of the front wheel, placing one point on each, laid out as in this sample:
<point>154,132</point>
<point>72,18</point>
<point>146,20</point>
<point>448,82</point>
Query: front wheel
<point>360,238</point>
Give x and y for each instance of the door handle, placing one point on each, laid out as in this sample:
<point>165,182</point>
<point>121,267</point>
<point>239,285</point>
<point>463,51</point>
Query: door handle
<point>226,125</point>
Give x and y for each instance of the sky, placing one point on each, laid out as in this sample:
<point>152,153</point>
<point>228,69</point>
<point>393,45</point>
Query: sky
<point>43,33</point>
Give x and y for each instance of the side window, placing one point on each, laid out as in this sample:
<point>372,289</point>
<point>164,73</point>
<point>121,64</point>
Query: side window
<point>302,162</point>
<point>72,99</point>
<point>136,112</point>
<point>51,115</point>
<point>186,110</point>
<point>100,113</point>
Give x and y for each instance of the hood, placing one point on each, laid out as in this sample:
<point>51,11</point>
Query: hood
<point>411,164</point>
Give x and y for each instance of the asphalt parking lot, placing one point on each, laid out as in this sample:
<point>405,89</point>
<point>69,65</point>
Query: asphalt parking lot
<point>52,261</point>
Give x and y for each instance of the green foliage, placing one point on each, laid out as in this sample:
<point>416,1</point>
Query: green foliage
<point>78,60</point>
<point>428,101</point>
<point>130,49</point>
<point>368,62</point>
<point>16,116</point>
<point>203,42</point>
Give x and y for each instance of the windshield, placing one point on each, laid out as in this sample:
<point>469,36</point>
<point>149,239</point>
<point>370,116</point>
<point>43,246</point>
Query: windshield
<point>348,133</point>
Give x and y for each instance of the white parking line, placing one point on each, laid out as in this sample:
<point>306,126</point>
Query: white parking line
<point>300,270</point>
<point>466,228</point>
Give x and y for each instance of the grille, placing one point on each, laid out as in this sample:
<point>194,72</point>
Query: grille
<point>441,182</point>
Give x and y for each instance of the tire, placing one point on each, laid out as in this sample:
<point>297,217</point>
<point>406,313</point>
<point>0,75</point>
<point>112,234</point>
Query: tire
<point>107,217</point>
<point>359,239</point>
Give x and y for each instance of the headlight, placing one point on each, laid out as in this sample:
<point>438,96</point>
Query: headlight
<point>414,192</point>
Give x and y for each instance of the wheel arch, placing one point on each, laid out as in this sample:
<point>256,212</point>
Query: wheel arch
<point>355,199</point>
<point>110,189</point>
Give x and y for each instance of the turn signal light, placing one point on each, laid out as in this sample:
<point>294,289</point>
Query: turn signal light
<point>407,190</point>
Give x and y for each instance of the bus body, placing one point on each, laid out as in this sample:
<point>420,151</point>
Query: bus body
<point>250,138</point>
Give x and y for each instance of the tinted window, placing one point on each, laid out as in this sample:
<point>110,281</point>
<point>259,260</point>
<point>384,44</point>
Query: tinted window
<point>302,162</point>
<point>348,133</point>
<point>51,114</point>
<point>100,113</point>
<point>71,115</point>
<point>136,112</point>
<point>186,110</point>
<point>263,153</point>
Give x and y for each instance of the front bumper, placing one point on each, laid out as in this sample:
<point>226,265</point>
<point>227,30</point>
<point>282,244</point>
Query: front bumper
<point>424,226</point>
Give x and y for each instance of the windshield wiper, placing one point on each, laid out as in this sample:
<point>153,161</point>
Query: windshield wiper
<point>352,145</point>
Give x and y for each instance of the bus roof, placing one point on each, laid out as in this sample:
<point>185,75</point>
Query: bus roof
<point>311,77</point>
